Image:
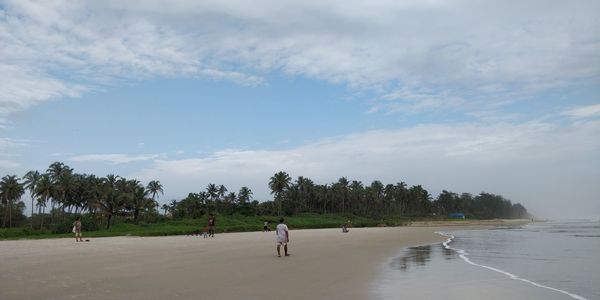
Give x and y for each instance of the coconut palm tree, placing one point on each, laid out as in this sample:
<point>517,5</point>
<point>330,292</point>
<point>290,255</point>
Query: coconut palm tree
<point>10,191</point>
<point>111,200</point>
<point>31,180</point>
<point>138,198</point>
<point>343,184</point>
<point>43,191</point>
<point>60,175</point>
<point>357,192</point>
<point>221,191</point>
<point>244,195</point>
<point>154,187</point>
<point>278,184</point>
<point>212,191</point>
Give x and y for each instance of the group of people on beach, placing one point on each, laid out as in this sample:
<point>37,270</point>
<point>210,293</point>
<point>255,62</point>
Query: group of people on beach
<point>281,232</point>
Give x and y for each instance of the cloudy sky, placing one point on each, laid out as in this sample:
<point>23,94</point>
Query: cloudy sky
<point>467,96</point>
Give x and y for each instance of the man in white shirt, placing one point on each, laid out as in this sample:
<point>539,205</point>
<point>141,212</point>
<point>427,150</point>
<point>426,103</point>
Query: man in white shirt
<point>283,237</point>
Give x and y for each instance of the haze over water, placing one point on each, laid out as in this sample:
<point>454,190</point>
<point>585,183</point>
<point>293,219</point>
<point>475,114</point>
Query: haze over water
<point>560,255</point>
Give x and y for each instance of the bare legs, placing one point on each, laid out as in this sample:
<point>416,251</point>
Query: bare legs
<point>284,250</point>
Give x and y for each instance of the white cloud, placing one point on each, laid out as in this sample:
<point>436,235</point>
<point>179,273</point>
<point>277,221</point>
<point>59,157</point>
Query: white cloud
<point>584,111</point>
<point>427,54</point>
<point>60,154</point>
<point>115,158</point>
<point>6,143</point>
<point>538,164</point>
<point>8,164</point>
<point>7,147</point>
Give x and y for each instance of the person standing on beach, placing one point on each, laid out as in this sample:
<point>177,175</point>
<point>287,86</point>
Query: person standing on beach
<point>211,225</point>
<point>283,238</point>
<point>77,230</point>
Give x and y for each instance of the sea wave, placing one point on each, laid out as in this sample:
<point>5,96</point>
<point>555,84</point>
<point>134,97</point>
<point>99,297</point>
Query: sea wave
<point>463,255</point>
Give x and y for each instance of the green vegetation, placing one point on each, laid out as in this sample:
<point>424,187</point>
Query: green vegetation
<point>225,223</point>
<point>114,205</point>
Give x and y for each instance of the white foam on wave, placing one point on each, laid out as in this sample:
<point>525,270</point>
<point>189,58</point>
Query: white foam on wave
<point>463,254</point>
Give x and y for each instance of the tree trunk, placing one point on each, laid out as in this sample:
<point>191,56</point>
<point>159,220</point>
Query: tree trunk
<point>42,221</point>
<point>279,207</point>
<point>4,217</point>
<point>51,212</point>
<point>10,214</point>
<point>31,211</point>
<point>136,213</point>
<point>108,222</point>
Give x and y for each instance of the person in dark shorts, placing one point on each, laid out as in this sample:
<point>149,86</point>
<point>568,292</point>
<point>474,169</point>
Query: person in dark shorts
<point>212,221</point>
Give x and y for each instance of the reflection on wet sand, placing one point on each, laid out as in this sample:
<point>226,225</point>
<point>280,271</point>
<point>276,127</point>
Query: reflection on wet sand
<point>420,256</point>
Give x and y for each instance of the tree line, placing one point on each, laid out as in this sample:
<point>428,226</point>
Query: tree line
<point>376,200</point>
<point>65,193</point>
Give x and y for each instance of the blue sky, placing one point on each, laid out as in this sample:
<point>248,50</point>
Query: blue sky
<point>457,95</point>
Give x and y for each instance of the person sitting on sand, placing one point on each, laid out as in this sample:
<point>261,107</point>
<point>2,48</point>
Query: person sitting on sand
<point>266,226</point>
<point>77,230</point>
<point>283,238</point>
<point>211,225</point>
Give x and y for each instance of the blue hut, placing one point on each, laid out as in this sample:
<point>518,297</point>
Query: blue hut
<point>456,216</point>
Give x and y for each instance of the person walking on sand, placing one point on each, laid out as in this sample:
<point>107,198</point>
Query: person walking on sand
<point>211,225</point>
<point>283,237</point>
<point>77,230</point>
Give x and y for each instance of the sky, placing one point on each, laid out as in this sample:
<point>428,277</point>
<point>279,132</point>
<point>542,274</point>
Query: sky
<point>465,96</point>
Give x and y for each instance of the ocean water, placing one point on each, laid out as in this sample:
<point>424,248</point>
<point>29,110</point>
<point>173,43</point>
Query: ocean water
<point>549,260</point>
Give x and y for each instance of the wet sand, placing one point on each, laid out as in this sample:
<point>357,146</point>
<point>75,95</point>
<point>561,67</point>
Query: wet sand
<point>324,264</point>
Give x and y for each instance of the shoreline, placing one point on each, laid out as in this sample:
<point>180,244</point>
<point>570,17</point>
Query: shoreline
<point>324,263</point>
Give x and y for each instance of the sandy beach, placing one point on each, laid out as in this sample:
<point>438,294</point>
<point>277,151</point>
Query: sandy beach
<point>324,264</point>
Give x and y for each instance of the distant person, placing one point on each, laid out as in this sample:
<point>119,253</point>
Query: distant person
<point>345,228</point>
<point>77,230</point>
<point>266,226</point>
<point>283,237</point>
<point>212,221</point>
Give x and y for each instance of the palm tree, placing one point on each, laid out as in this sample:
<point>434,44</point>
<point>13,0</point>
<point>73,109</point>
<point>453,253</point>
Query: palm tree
<point>154,187</point>
<point>138,200</point>
<point>111,199</point>
<point>357,191</point>
<point>279,183</point>
<point>212,191</point>
<point>301,186</point>
<point>165,207</point>
<point>31,181</point>
<point>343,184</point>
<point>60,175</point>
<point>10,191</point>
<point>244,195</point>
<point>401,196</point>
<point>43,191</point>
<point>221,191</point>
<point>173,207</point>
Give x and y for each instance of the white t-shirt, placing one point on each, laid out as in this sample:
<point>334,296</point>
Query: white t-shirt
<point>281,230</point>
